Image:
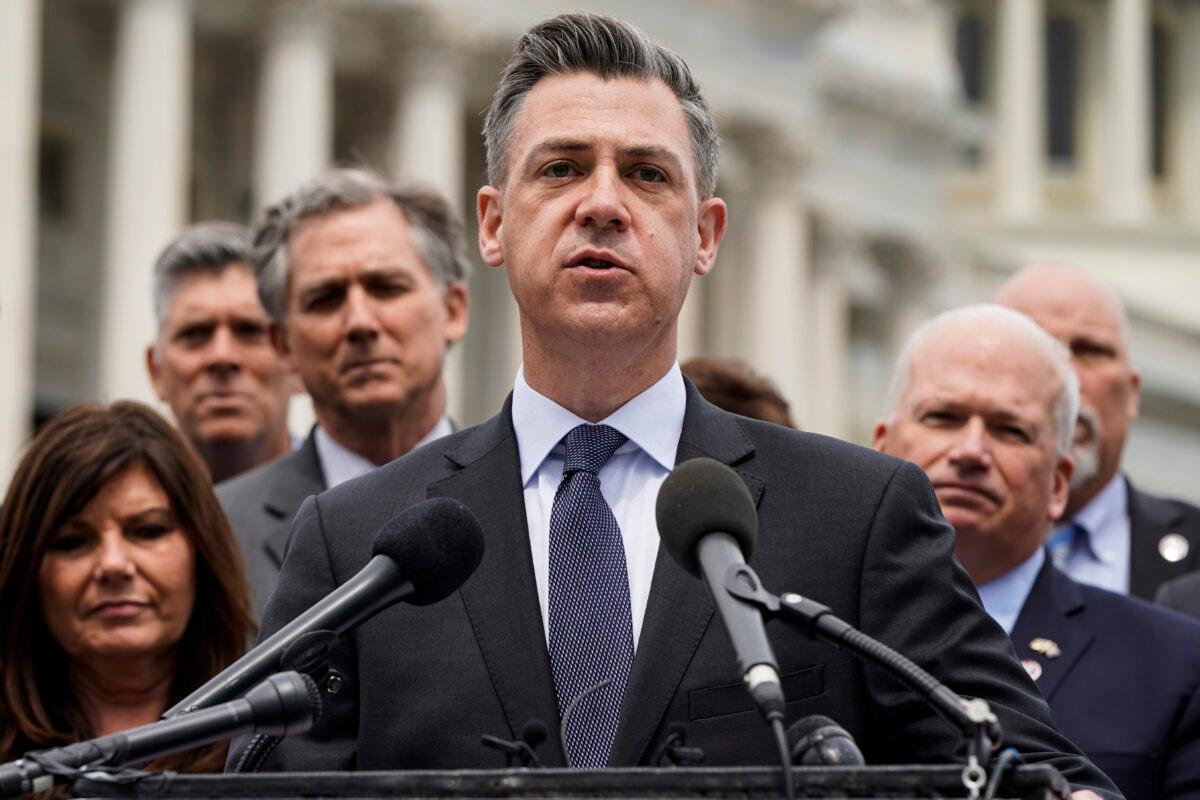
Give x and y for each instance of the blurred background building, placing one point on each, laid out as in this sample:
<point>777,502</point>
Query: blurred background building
<point>883,160</point>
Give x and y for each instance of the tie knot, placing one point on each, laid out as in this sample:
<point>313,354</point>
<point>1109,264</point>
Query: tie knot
<point>590,446</point>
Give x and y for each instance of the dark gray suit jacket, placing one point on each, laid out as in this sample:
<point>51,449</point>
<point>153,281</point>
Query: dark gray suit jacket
<point>1150,519</point>
<point>1181,594</point>
<point>852,528</point>
<point>261,505</point>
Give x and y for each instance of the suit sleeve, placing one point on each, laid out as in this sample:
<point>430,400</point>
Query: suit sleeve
<point>1182,779</point>
<point>307,576</point>
<point>917,598</point>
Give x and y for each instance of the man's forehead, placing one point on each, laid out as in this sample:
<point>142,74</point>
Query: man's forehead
<point>1065,300</point>
<point>231,285</point>
<point>1000,373</point>
<point>591,110</point>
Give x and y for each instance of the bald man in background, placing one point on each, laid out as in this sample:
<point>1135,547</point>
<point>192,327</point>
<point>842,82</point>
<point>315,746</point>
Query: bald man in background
<point>1113,535</point>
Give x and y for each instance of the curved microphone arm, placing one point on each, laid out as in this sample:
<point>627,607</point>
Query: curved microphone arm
<point>972,716</point>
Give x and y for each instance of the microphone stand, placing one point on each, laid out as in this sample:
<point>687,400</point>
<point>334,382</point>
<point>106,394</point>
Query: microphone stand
<point>973,717</point>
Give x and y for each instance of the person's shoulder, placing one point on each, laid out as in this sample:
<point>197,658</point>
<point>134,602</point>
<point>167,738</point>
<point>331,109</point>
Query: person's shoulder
<point>1164,507</point>
<point>1147,623</point>
<point>803,450</point>
<point>250,484</point>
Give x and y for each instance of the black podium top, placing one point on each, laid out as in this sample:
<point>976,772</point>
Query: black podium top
<point>1032,783</point>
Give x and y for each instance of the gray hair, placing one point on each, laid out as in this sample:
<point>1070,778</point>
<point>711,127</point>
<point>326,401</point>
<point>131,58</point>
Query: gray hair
<point>1066,403</point>
<point>434,229</point>
<point>208,248</point>
<point>608,48</point>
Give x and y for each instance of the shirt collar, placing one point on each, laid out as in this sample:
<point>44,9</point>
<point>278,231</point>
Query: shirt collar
<point>1098,518</point>
<point>1004,597</point>
<point>652,421</point>
<point>340,464</point>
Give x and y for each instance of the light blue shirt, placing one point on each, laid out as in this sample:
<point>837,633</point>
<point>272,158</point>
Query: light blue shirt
<point>1100,556</point>
<point>1004,597</point>
<point>340,464</point>
<point>630,480</point>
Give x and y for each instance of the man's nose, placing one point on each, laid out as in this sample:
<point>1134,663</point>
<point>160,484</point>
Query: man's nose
<point>971,446</point>
<point>224,352</point>
<point>603,204</point>
<point>362,322</point>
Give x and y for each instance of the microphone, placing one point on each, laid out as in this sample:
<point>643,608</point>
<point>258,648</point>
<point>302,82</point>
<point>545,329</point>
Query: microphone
<point>708,525</point>
<point>523,749</point>
<point>283,705</point>
<point>422,555</point>
<point>817,741</point>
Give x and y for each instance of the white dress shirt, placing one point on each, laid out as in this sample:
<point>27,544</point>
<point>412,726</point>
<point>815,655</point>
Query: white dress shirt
<point>341,464</point>
<point>652,422</point>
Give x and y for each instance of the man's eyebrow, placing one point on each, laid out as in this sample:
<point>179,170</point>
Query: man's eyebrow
<point>545,148</point>
<point>655,152</point>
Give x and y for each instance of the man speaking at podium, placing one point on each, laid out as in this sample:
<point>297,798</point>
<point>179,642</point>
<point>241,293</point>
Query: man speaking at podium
<point>601,167</point>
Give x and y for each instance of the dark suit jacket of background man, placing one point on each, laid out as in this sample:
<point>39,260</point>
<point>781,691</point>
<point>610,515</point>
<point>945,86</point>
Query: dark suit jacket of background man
<point>261,505</point>
<point>850,527</point>
<point>1181,594</point>
<point>1126,685</point>
<point>1150,519</point>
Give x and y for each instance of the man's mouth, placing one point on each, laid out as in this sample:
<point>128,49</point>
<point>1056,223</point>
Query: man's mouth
<point>955,491</point>
<point>596,260</point>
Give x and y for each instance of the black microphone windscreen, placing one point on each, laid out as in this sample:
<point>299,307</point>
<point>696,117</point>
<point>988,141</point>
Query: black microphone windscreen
<point>534,732</point>
<point>437,543</point>
<point>700,497</point>
<point>801,728</point>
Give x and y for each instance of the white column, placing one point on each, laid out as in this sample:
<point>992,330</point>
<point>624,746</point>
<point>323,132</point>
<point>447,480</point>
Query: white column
<point>428,145</point>
<point>1187,100</point>
<point>294,125</point>
<point>1019,132</point>
<point>692,320</point>
<point>1127,178</point>
<point>828,342</point>
<point>148,179</point>
<point>777,299</point>
<point>20,59</point>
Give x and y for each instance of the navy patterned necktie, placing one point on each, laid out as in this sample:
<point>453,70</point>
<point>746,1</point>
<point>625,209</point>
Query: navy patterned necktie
<point>591,626</point>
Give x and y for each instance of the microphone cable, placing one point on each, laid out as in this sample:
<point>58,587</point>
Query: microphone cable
<point>785,755</point>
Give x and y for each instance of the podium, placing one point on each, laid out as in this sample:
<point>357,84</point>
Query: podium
<point>1037,782</point>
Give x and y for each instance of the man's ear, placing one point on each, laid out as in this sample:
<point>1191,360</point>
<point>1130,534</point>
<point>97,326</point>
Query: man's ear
<point>1063,471</point>
<point>155,372</point>
<point>1135,394</point>
<point>711,228</point>
<point>457,303</point>
<point>279,341</point>
<point>879,439</point>
<point>489,212</point>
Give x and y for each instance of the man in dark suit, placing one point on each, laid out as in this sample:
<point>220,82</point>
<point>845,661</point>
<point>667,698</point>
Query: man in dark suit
<point>1181,594</point>
<point>984,401</point>
<point>212,360</point>
<point>365,284</point>
<point>1115,536</point>
<point>600,206</point>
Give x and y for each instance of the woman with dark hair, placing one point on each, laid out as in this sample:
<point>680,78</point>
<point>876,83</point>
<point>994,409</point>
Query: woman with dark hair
<point>121,585</point>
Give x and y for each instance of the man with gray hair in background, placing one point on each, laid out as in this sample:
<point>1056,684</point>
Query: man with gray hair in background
<point>365,283</point>
<point>985,402</point>
<point>212,361</point>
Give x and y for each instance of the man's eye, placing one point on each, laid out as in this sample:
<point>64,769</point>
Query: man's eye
<point>194,335</point>
<point>938,418</point>
<point>1091,350</point>
<point>559,169</point>
<point>322,301</point>
<point>1013,433</point>
<point>649,175</point>
<point>250,331</point>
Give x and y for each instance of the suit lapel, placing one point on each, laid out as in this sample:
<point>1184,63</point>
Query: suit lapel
<point>679,610</point>
<point>300,477</point>
<point>1049,615</point>
<point>1148,521</point>
<point>501,597</point>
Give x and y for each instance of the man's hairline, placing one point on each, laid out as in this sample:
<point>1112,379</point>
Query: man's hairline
<point>519,110</point>
<point>211,271</point>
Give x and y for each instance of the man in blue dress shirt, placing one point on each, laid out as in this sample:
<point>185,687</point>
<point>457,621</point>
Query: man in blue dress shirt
<point>985,401</point>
